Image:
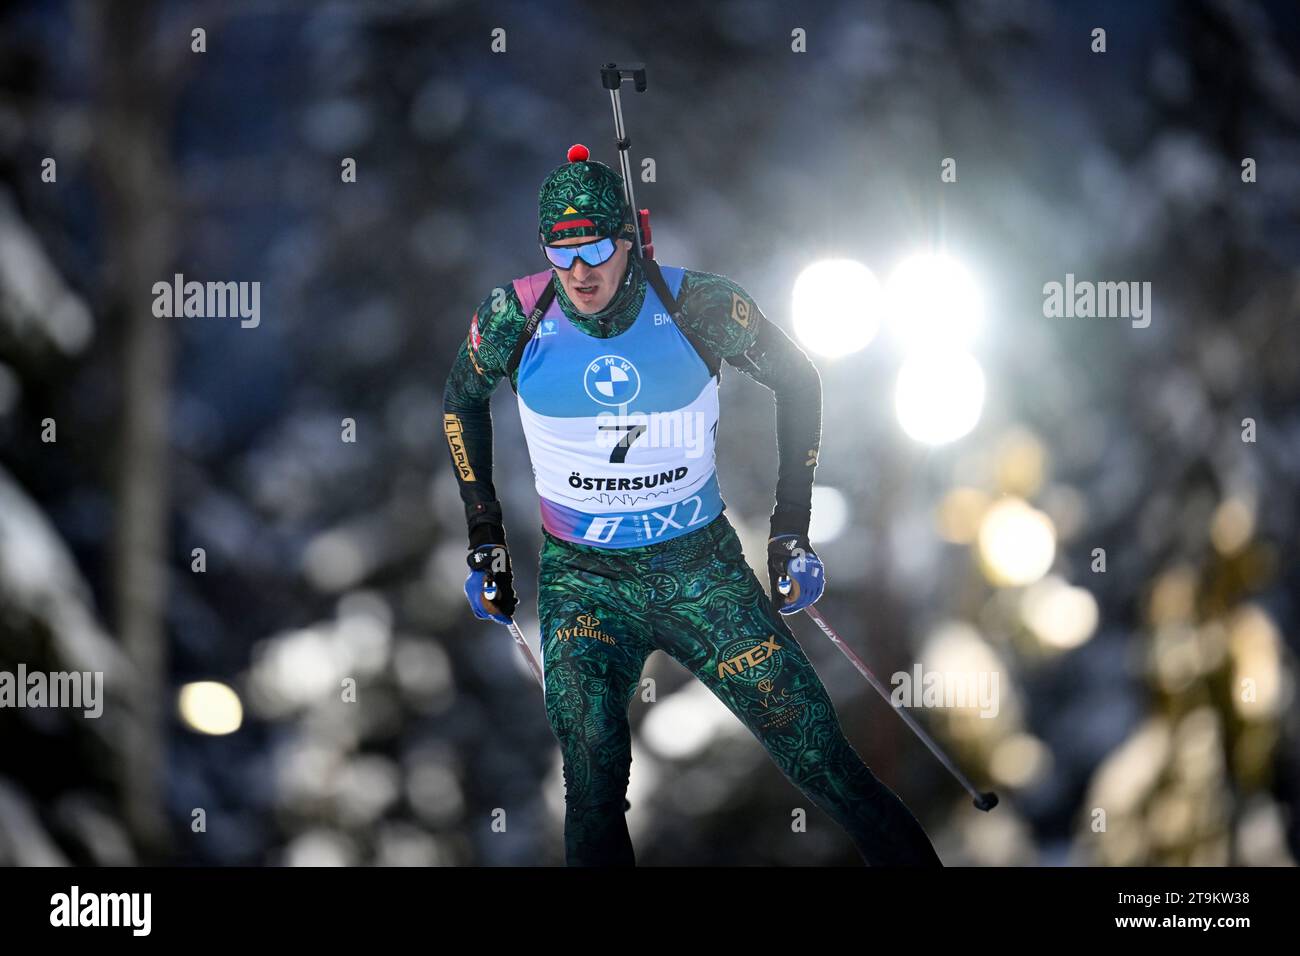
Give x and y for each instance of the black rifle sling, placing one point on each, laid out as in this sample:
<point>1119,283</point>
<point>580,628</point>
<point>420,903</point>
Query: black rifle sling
<point>543,303</point>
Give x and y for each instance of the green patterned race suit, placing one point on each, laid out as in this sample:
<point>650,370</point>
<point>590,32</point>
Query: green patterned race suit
<point>603,610</point>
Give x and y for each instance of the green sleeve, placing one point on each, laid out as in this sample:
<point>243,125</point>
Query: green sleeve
<point>479,366</point>
<point>719,312</point>
<point>727,320</point>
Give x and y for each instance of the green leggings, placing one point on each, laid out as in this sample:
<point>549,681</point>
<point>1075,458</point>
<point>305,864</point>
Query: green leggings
<point>604,610</point>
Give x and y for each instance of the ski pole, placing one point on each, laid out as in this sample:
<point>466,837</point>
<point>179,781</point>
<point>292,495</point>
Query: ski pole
<point>525,650</point>
<point>490,592</point>
<point>983,801</point>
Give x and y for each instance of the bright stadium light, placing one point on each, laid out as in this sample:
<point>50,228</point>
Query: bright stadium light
<point>1061,616</point>
<point>210,707</point>
<point>1017,543</point>
<point>684,723</point>
<point>932,300</point>
<point>939,396</point>
<point>837,305</point>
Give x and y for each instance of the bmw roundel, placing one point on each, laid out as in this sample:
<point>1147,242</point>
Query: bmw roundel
<point>611,380</point>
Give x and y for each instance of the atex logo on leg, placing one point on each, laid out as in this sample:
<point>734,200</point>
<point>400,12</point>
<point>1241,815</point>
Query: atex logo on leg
<point>753,660</point>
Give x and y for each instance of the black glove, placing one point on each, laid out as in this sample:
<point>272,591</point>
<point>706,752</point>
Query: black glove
<point>489,568</point>
<point>790,556</point>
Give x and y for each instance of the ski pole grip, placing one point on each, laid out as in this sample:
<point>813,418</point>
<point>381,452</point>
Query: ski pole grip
<point>612,76</point>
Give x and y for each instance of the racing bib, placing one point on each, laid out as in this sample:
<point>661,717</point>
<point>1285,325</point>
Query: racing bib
<point>621,430</point>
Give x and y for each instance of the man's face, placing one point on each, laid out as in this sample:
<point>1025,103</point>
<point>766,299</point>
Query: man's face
<point>591,288</point>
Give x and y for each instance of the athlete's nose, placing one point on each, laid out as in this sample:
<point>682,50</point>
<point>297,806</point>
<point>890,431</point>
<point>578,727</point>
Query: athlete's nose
<point>581,270</point>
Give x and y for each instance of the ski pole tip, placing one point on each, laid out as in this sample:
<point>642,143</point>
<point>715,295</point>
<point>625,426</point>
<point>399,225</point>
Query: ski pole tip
<point>986,801</point>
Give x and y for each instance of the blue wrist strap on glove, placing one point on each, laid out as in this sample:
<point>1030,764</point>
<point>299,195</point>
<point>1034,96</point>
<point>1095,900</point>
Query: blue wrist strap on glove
<point>802,579</point>
<point>480,586</point>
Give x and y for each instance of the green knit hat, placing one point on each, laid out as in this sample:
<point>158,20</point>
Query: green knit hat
<point>583,198</point>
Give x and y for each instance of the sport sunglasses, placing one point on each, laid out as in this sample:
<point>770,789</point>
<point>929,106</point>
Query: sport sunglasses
<point>592,253</point>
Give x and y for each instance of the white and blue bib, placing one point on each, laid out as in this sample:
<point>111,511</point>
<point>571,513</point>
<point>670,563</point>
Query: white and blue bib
<point>620,430</point>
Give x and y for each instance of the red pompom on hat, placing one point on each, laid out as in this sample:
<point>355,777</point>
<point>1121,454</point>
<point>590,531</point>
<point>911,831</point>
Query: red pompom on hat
<point>579,153</point>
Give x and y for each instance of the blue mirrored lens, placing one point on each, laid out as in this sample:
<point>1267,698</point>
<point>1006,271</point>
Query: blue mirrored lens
<point>560,256</point>
<point>592,253</point>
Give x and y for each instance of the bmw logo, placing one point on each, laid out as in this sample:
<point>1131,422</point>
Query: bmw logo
<point>611,380</point>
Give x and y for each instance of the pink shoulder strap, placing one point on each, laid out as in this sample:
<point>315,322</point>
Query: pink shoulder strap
<point>530,288</point>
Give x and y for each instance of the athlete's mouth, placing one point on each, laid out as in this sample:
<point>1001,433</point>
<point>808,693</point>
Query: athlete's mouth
<point>585,290</point>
